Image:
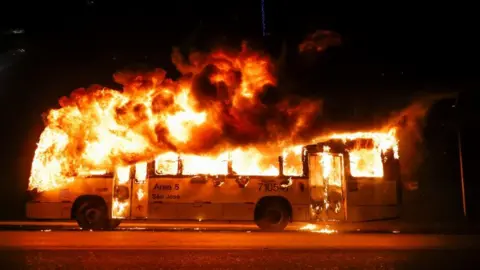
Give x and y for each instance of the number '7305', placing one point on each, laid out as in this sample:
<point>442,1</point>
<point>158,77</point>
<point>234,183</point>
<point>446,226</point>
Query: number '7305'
<point>270,187</point>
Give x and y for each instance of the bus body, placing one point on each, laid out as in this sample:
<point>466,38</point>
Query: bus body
<point>326,190</point>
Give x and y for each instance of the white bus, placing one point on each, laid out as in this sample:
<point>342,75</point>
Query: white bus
<point>353,179</point>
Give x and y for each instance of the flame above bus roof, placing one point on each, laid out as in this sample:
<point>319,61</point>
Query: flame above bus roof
<point>213,113</point>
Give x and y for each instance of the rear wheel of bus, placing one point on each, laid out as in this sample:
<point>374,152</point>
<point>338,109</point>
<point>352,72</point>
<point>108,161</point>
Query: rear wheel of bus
<point>272,214</point>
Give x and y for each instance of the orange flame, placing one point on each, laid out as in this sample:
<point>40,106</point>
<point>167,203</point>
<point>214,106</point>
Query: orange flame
<point>212,115</point>
<point>314,228</point>
<point>366,161</point>
<point>214,107</point>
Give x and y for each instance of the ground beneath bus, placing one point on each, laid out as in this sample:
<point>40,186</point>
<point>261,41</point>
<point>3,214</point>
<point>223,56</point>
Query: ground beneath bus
<point>194,246</point>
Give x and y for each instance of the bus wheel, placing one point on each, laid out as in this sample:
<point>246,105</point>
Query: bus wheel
<point>272,216</point>
<point>92,215</point>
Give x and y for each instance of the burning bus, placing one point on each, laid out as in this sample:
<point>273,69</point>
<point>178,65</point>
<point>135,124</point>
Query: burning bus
<point>208,146</point>
<point>342,177</point>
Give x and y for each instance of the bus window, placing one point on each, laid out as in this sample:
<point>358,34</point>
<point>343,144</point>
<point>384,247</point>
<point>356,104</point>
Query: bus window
<point>92,172</point>
<point>293,161</point>
<point>253,162</point>
<point>332,169</point>
<point>366,163</point>
<point>141,172</point>
<point>166,164</point>
<point>211,165</point>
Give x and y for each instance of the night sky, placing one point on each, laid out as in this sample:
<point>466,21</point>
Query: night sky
<point>388,54</point>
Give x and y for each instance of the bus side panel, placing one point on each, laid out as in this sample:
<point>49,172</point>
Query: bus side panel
<point>190,198</point>
<point>301,212</point>
<point>200,211</point>
<point>57,203</point>
<point>183,198</point>
<point>162,210</point>
<point>48,210</point>
<point>372,213</point>
<point>371,199</point>
<point>245,212</point>
<point>233,192</point>
<point>238,211</point>
<point>185,211</point>
<point>239,202</point>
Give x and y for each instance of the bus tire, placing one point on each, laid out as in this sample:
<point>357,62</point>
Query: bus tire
<point>92,215</point>
<point>272,216</point>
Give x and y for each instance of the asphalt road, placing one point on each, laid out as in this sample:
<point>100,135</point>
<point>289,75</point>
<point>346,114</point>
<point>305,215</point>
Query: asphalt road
<point>234,250</point>
<point>238,259</point>
<point>187,240</point>
<point>355,227</point>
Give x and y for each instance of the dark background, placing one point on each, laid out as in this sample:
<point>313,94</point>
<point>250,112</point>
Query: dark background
<point>388,55</point>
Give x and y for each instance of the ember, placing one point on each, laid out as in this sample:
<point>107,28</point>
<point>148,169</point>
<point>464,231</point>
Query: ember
<point>314,228</point>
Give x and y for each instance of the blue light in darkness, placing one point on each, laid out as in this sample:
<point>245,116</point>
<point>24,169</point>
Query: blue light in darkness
<point>264,26</point>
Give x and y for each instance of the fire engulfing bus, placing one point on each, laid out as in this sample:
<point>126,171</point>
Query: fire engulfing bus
<point>346,177</point>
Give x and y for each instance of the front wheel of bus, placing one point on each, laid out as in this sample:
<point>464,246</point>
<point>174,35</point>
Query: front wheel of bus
<point>92,215</point>
<point>272,217</point>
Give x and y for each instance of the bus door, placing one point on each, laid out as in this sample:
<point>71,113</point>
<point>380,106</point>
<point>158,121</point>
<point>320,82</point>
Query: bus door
<point>122,186</point>
<point>139,198</point>
<point>317,187</point>
<point>327,182</point>
<point>130,192</point>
